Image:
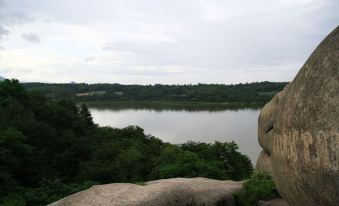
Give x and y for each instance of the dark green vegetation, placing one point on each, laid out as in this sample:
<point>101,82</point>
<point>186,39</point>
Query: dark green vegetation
<point>52,148</point>
<point>259,187</point>
<point>238,95</point>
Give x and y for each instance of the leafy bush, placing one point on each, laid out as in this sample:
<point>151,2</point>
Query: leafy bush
<point>259,187</point>
<point>53,190</point>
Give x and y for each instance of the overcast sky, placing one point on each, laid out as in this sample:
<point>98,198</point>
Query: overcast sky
<point>157,41</point>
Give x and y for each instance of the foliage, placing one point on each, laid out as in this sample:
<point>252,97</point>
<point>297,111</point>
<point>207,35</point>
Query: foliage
<point>248,94</point>
<point>50,190</point>
<point>233,164</point>
<point>51,148</point>
<point>259,187</point>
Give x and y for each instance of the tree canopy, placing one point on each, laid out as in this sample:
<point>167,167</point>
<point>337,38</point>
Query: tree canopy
<point>52,148</point>
<point>255,94</point>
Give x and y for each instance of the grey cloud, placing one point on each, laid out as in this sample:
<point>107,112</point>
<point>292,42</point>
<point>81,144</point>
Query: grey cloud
<point>91,58</point>
<point>31,37</point>
<point>3,31</point>
<point>12,12</point>
<point>9,16</point>
<point>107,48</point>
<point>146,37</point>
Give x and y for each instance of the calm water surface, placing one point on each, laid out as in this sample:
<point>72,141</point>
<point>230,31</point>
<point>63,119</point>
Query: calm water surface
<point>179,126</point>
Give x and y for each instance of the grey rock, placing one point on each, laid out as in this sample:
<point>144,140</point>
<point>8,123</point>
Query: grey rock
<point>273,202</point>
<point>299,131</point>
<point>166,192</point>
<point>264,163</point>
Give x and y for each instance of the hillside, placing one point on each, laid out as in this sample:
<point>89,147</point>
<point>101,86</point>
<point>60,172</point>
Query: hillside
<point>256,94</point>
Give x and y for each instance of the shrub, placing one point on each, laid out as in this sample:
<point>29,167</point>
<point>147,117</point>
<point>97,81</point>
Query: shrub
<point>259,187</point>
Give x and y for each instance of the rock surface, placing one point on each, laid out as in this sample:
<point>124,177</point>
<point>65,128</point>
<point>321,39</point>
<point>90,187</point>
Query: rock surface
<point>274,202</point>
<point>264,163</point>
<point>299,131</point>
<point>167,192</point>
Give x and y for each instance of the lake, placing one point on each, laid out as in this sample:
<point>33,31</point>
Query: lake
<point>179,126</point>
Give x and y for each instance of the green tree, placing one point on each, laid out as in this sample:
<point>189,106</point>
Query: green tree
<point>13,152</point>
<point>85,115</point>
<point>52,148</point>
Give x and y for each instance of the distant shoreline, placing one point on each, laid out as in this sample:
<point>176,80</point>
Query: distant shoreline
<point>173,105</point>
<point>206,96</point>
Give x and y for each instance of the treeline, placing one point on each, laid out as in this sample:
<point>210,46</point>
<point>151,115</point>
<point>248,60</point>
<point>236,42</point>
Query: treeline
<point>257,93</point>
<point>51,148</point>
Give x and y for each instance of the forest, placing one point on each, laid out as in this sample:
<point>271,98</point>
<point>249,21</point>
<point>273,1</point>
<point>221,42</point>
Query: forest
<point>248,94</point>
<point>50,147</point>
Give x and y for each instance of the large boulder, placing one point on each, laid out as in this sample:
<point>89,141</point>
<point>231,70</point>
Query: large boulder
<point>299,131</point>
<point>166,192</point>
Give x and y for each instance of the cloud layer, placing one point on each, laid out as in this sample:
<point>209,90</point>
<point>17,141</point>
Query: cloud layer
<point>157,41</point>
<point>31,37</point>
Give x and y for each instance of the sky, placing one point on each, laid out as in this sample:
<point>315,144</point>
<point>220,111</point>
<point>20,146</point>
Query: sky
<point>158,41</point>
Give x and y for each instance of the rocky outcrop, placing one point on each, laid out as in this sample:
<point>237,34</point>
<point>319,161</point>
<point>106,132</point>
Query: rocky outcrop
<point>264,163</point>
<point>166,192</point>
<point>299,131</point>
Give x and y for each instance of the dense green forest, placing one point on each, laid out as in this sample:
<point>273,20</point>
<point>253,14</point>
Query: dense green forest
<point>249,94</point>
<point>50,148</point>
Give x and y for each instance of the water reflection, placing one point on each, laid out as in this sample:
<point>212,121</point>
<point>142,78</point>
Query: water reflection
<point>170,106</point>
<point>181,125</point>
